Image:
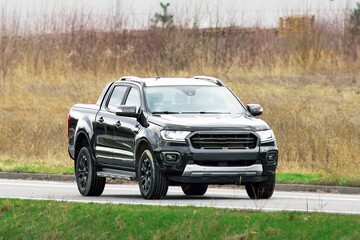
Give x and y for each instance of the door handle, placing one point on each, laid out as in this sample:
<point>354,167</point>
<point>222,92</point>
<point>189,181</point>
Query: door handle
<point>101,120</point>
<point>118,124</point>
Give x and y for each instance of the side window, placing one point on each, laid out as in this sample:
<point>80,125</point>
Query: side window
<point>116,97</point>
<point>133,98</point>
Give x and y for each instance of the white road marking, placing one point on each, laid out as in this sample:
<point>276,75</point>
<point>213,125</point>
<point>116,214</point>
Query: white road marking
<point>181,205</point>
<point>215,197</point>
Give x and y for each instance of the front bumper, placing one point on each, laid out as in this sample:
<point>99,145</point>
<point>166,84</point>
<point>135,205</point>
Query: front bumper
<point>217,167</point>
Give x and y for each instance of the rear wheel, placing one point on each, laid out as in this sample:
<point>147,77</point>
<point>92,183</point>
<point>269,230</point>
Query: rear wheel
<point>153,183</point>
<point>89,184</point>
<point>261,190</point>
<point>194,189</point>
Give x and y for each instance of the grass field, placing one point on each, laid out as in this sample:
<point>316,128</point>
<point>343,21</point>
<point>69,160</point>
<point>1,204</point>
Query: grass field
<point>59,220</point>
<point>308,84</point>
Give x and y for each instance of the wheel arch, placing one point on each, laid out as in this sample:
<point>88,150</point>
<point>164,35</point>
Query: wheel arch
<point>142,144</point>
<point>82,140</point>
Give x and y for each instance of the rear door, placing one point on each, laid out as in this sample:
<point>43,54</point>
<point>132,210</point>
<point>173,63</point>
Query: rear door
<point>105,122</point>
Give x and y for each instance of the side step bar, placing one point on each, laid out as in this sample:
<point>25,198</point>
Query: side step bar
<point>116,174</point>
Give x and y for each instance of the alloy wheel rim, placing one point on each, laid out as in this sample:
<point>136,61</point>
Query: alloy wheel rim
<point>83,172</point>
<point>145,174</point>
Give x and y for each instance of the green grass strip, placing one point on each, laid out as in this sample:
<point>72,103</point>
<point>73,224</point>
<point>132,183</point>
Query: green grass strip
<point>25,219</point>
<point>316,178</point>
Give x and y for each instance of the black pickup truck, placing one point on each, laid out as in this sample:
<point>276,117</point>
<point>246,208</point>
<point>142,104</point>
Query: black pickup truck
<point>187,132</point>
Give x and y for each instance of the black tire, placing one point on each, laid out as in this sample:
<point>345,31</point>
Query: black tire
<point>194,189</point>
<point>89,184</point>
<point>261,190</point>
<point>153,183</point>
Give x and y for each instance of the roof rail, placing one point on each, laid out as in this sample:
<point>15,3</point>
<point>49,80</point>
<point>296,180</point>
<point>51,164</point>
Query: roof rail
<point>129,77</point>
<point>210,79</point>
<point>132,79</point>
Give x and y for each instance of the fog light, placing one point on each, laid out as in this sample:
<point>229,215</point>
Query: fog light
<point>271,157</point>
<point>173,158</point>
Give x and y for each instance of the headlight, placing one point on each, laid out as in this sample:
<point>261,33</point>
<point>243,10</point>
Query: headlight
<point>178,136</point>
<point>266,136</point>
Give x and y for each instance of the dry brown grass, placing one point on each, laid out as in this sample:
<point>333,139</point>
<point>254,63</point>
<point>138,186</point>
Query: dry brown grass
<point>308,85</point>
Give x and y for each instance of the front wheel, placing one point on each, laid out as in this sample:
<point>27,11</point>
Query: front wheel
<point>153,183</point>
<point>261,190</point>
<point>194,189</point>
<point>89,184</point>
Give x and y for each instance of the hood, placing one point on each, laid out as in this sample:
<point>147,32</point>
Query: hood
<point>206,121</point>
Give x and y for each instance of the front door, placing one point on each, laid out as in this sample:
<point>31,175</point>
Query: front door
<point>125,132</point>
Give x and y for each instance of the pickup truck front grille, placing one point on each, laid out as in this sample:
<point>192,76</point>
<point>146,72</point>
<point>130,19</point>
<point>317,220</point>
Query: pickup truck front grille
<point>223,140</point>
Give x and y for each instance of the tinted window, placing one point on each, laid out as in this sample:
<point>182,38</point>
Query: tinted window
<point>116,97</point>
<point>133,98</point>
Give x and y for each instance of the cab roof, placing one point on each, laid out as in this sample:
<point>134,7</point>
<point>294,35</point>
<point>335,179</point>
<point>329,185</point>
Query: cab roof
<point>160,81</point>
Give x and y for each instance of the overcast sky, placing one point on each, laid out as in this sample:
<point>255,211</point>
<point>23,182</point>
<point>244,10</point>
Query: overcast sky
<point>208,12</point>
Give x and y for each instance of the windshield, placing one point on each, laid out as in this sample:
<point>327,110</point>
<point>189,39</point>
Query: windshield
<point>192,99</point>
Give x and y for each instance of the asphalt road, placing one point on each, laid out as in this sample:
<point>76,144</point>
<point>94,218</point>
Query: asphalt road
<point>215,197</point>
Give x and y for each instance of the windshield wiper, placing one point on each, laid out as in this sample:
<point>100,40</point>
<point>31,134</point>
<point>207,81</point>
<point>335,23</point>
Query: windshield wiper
<point>165,112</point>
<point>200,112</point>
<point>204,112</point>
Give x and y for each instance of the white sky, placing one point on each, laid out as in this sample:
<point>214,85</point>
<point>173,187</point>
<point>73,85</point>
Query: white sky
<point>208,12</point>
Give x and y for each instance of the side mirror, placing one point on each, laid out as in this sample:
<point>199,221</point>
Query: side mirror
<point>127,111</point>
<point>255,109</point>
